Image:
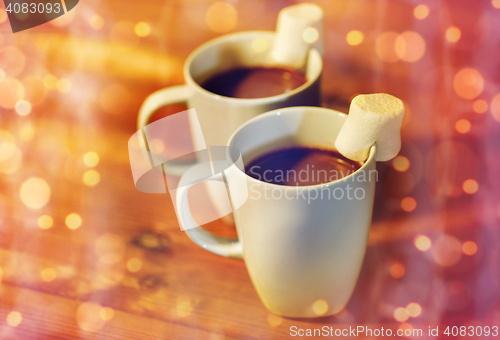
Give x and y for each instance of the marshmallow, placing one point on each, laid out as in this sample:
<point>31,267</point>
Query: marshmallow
<point>299,28</point>
<point>373,118</point>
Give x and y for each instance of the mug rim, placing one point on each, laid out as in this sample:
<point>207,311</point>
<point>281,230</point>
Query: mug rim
<point>251,101</point>
<point>290,111</point>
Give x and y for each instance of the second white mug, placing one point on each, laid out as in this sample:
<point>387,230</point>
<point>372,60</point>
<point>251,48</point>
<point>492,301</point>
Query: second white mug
<point>220,116</point>
<point>302,245</point>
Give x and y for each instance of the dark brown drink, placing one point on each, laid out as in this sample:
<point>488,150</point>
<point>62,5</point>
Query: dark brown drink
<point>254,82</point>
<point>301,166</point>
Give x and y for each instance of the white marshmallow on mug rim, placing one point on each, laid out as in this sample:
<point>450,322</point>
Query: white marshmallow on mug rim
<point>372,118</point>
<point>290,47</point>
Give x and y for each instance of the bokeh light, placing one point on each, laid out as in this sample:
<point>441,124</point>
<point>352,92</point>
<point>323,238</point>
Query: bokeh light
<point>184,307</point>
<point>469,248</point>
<point>107,313</point>
<point>48,274</point>
<point>463,126</point>
<point>134,265</point>
<point>221,17</point>
<point>401,314</point>
<point>63,85</point>
<point>20,15</point>
<point>470,186</point>
<point>310,35</point>
<point>446,250</point>
<point>96,22</point>
<point>401,163</point>
<point>91,159</point>
<point>384,47</point>
<point>422,242</point>
<point>50,81</point>
<point>397,270</point>
<point>468,83</point>
<point>11,92</point>
<point>274,320</point>
<point>88,317</point>
<point>494,107</point>
<point>354,37</point>
<point>137,142</point>
<point>12,158</point>
<point>91,178</point>
<point>480,106</point>
<point>414,310</point>
<point>14,319</point>
<point>421,12</point>
<point>320,307</point>
<point>73,221</point>
<point>142,29</point>
<point>110,248</point>
<point>156,146</point>
<point>23,108</point>
<point>406,329</point>
<point>408,204</point>
<point>7,145</point>
<point>108,275</point>
<point>453,34</point>
<point>495,4</point>
<point>35,193</point>
<point>410,46</point>
<point>35,90</point>
<point>12,61</point>
<point>27,132</point>
<point>45,222</point>
<point>3,15</point>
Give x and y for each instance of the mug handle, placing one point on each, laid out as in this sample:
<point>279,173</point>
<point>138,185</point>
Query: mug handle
<point>223,246</point>
<point>171,95</point>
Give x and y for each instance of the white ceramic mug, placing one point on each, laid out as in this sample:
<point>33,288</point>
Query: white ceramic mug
<point>298,250</point>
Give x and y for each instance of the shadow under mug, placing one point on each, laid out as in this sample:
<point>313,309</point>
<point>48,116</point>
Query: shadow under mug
<point>300,244</point>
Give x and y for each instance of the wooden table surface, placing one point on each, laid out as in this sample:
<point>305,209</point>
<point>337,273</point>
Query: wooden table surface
<point>128,271</point>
